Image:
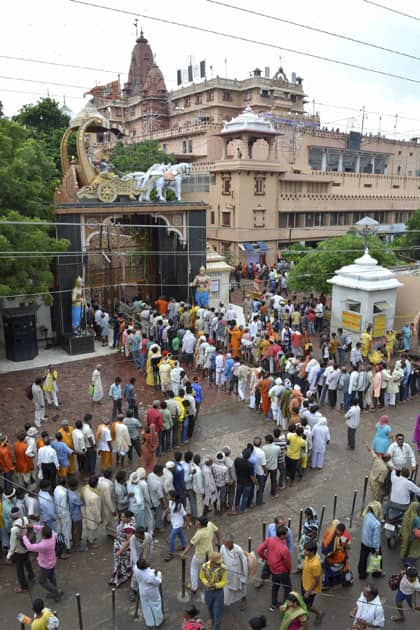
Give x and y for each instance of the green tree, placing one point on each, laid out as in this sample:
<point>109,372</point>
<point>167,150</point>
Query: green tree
<point>408,245</point>
<point>46,123</point>
<point>138,157</point>
<point>318,265</point>
<point>43,117</point>
<point>28,175</point>
<point>26,253</point>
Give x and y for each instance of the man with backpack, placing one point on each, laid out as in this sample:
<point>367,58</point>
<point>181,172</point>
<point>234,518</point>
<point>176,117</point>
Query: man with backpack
<point>18,553</point>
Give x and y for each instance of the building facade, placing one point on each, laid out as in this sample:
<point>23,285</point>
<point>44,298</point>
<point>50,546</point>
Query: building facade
<point>304,185</point>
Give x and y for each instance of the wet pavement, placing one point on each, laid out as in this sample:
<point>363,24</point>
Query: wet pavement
<point>223,421</point>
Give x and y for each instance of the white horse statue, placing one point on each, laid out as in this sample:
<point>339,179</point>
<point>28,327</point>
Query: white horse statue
<point>163,177</point>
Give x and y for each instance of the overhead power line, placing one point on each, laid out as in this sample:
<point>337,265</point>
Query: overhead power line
<point>354,40</point>
<point>397,11</point>
<point>250,41</point>
<point>81,87</point>
<point>80,98</point>
<point>61,65</point>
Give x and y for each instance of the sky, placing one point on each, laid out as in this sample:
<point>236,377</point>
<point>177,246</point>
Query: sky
<point>62,31</point>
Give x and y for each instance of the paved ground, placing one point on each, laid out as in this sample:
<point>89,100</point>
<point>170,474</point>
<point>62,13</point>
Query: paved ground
<point>223,422</point>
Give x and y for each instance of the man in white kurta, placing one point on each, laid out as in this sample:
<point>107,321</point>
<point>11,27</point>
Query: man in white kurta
<point>236,563</point>
<point>62,510</point>
<point>108,509</point>
<point>98,390</point>
<point>91,511</point>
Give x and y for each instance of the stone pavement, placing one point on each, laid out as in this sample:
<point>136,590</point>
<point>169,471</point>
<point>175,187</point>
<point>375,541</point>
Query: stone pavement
<point>223,422</point>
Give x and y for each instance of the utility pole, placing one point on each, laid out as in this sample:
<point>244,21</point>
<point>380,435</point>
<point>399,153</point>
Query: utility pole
<point>363,120</point>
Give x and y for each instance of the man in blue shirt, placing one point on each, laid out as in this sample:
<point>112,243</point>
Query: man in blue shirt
<point>198,394</point>
<point>371,537</point>
<point>63,454</point>
<point>75,505</point>
<point>116,394</point>
<point>47,514</point>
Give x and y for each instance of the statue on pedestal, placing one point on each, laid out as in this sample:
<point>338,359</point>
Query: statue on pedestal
<point>202,284</point>
<point>77,305</point>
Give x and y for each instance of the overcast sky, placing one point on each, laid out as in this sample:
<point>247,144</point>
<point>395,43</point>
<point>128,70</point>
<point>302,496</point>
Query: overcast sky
<point>65,32</point>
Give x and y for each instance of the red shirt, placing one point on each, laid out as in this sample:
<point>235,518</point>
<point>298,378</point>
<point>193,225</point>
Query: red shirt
<point>275,552</point>
<point>154,416</point>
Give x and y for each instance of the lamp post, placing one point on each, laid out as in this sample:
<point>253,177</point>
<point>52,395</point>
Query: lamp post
<point>365,228</point>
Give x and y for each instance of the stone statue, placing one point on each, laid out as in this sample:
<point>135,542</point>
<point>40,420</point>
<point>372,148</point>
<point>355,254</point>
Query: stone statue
<point>202,284</point>
<point>77,305</point>
<point>163,177</point>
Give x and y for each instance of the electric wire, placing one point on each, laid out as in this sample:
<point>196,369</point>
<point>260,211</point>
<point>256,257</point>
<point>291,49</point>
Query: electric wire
<point>315,29</point>
<point>392,10</point>
<point>82,87</point>
<point>62,65</point>
<point>250,41</point>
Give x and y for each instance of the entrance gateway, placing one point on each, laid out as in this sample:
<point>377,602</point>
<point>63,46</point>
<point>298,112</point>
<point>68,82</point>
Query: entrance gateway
<point>123,243</point>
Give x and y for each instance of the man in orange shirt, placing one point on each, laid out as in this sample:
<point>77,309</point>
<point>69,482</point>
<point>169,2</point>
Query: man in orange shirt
<point>24,463</point>
<point>6,464</point>
<point>162,305</point>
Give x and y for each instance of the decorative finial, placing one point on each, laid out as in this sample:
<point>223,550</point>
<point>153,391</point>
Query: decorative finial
<point>135,24</point>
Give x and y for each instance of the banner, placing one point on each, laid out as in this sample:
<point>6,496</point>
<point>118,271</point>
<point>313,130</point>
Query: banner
<point>351,321</point>
<point>109,90</point>
<point>379,325</point>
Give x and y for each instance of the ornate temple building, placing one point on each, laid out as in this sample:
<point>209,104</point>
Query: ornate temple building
<point>269,173</point>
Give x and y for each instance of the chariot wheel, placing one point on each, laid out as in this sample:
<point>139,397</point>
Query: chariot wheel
<point>107,193</point>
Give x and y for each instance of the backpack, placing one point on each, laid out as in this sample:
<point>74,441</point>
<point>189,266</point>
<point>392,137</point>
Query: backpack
<point>28,392</point>
<point>395,580</point>
<point>52,622</point>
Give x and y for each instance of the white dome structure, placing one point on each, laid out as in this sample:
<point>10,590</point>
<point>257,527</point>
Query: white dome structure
<point>365,274</point>
<point>249,121</point>
<point>88,111</point>
<point>364,294</point>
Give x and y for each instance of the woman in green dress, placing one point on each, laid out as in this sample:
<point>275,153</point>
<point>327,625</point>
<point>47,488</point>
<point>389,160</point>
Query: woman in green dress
<point>294,613</point>
<point>410,535</point>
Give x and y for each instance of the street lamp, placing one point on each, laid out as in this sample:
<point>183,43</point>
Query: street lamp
<point>366,227</point>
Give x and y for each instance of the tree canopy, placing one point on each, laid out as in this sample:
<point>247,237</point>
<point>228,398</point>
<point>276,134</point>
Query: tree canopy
<point>28,175</point>
<point>138,157</point>
<point>312,270</point>
<point>408,245</point>
<point>46,123</point>
<point>23,273</point>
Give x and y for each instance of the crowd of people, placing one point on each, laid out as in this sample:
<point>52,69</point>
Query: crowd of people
<point>57,498</point>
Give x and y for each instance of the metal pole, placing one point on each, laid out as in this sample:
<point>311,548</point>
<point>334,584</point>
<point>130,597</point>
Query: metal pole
<point>334,506</point>
<point>264,527</point>
<point>322,517</point>
<point>353,507</point>
<point>79,611</point>
<point>183,576</point>
<point>114,612</point>
<point>161,598</point>
<point>364,491</point>
<point>289,522</point>
<point>300,522</point>
<point>249,544</point>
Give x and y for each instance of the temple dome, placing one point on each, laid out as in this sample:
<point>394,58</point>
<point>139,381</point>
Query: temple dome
<point>155,83</point>
<point>365,274</point>
<point>88,111</point>
<point>248,120</point>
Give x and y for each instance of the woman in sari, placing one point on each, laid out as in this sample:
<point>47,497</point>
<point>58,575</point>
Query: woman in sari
<point>410,543</point>
<point>122,563</point>
<point>336,565</point>
<point>294,613</point>
<point>310,532</point>
<point>148,448</point>
<point>383,435</point>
